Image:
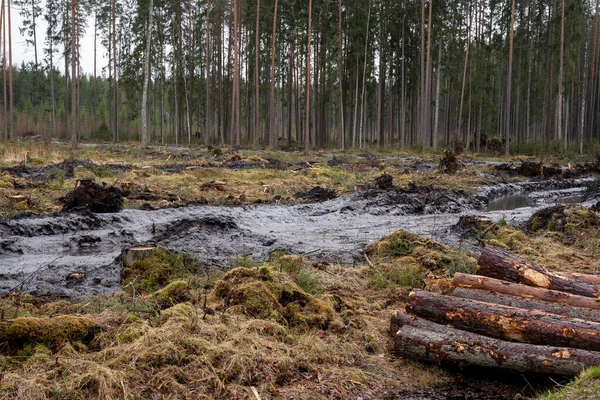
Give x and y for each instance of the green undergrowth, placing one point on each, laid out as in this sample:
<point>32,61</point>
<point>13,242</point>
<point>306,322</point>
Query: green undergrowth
<point>585,387</point>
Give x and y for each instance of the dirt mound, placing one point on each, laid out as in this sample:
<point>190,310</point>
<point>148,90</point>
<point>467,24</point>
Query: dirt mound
<point>551,218</point>
<point>449,164</point>
<point>316,194</point>
<point>384,182</point>
<point>90,196</point>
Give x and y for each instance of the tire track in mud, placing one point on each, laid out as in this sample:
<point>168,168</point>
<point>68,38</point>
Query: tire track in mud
<point>74,255</point>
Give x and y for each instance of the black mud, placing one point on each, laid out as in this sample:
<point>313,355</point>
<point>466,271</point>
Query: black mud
<point>39,254</point>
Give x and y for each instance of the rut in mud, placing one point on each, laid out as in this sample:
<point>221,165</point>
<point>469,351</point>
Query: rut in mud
<point>77,254</point>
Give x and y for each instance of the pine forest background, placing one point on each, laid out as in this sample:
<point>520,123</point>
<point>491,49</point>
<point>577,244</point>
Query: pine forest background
<point>485,74</point>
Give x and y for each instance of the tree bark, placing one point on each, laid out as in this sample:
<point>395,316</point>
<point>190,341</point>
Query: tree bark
<point>341,128</point>
<point>559,110</point>
<point>114,49</point>
<point>509,83</point>
<point>503,322</point>
<point>497,263</point>
<point>145,127</point>
<point>427,341</point>
<point>74,75</point>
<point>272,108</point>
<point>257,76</point>
<point>308,48</point>
<point>10,78</point>
<point>526,292</point>
<point>527,303</point>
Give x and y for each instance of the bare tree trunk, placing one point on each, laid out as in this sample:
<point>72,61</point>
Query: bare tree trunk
<point>95,92</point>
<point>307,114</point>
<point>422,79</point>
<point>73,74</point>
<point>559,106</point>
<point>115,97</point>
<point>509,82</point>
<point>145,127</point>
<point>364,82</point>
<point>207,117</point>
<point>272,107</point>
<point>10,78</point>
<point>464,80</point>
<point>257,76</point>
<point>342,130</point>
<point>436,120</point>
<point>427,133</point>
<point>6,136</point>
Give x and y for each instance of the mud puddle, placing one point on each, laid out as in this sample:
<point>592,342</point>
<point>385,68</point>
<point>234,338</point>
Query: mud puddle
<point>74,255</point>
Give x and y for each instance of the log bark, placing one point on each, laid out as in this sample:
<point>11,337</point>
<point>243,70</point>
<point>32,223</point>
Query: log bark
<point>503,322</point>
<point>497,263</point>
<point>592,279</point>
<point>527,303</point>
<point>455,347</point>
<point>525,292</point>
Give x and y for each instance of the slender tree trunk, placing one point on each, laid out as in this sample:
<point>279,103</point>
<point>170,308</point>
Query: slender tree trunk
<point>342,130</point>
<point>73,74</point>
<point>10,78</point>
<point>427,133</point>
<point>422,79</point>
<point>509,82</point>
<point>6,136</point>
<point>207,117</point>
<point>464,81</point>
<point>115,96</point>
<point>257,76</point>
<point>559,106</point>
<point>145,127</point>
<point>436,122</point>
<point>272,107</point>
<point>308,48</point>
<point>95,92</point>
<point>364,82</point>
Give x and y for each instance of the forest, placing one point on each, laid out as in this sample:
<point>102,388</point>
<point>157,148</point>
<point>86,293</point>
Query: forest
<point>486,75</point>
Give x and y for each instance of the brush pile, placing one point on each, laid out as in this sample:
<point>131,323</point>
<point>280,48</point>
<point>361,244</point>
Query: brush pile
<point>91,196</point>
<point>511,315</point>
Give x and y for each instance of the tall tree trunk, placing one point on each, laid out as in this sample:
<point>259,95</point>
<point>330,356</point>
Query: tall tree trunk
<point>257,76</point>
<point>422,79</point>
<point>364,82</point>
<point>341,129</point>
<point>464,80</point>
<point>559,106</point>
<point>115,96</point>
<point>272,106</point>
<point>95,92</point>
<point>6,136</point>
<point>207,117</point>
<point>436,122</point>
<point>10,78</point>
<point>73,74</point>
<point>145,127</point>
<point>427,133</point>
<point>509,82</point>
<point>308,48</point>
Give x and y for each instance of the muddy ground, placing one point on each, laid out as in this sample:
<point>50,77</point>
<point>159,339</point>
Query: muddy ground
<point>41,255</point>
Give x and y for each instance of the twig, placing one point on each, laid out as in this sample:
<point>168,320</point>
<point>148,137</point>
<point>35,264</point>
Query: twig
<point>33,274</point>
<point>369,261</point>
<point>255,392</point>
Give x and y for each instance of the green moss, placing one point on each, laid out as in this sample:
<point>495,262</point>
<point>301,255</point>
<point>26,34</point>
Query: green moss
<point>308,282</point>
<point>263,294</point>
<point>497,243</point>
<point>174,293</point>
<point>155,271</point>
<point>6,181</point>
<point>132,332</point>
<point>51,332</point>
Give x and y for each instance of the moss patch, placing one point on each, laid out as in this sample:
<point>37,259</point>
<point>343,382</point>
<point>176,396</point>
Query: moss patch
<point>265,294</point>
<point>52,332</point>
<point>155,271</point>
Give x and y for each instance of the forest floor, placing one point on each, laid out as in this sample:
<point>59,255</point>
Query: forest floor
<point>291,327</point>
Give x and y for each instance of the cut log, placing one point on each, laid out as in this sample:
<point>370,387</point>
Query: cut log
<point>504,322</point>
<point>526,292</point>
<point>527,303</point>
<point>455,347</point>
<point>498,263</point>
<point>133,254</point>
<point>593,279</point>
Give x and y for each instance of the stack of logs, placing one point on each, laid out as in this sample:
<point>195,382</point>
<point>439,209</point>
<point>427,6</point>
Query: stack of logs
<point>511,315</point>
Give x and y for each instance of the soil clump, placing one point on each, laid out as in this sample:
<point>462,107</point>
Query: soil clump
<point>91,196</point>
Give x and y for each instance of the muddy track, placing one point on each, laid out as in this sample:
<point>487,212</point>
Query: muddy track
<point>44,255</point>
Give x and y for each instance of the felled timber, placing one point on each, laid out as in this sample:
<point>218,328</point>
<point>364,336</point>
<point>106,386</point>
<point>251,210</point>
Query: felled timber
<point>525,292</point>
<point>504,322</point>
<point>593,279</point>
<point>527,303</point>
<point>498,263</point>
<point>455,347</point>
